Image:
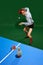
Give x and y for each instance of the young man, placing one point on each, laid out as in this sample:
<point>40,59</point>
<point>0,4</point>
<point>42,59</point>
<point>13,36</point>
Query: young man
<point>29,25</point>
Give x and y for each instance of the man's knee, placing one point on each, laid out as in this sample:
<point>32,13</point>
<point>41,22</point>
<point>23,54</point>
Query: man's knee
<point>24,29</point>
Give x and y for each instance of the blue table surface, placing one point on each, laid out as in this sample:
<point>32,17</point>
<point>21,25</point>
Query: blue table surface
<point>30,55</point>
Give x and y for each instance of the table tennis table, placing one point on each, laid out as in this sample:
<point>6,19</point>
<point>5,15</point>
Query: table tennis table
<point>30,55</point>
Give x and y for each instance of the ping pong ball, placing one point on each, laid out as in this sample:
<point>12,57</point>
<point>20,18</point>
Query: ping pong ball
<point>18,17</point>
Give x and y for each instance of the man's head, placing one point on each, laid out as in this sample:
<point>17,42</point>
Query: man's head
<point>23,11</point>
<point>18,48</point>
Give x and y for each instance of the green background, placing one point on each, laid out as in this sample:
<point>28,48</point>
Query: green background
<point>9,27</point>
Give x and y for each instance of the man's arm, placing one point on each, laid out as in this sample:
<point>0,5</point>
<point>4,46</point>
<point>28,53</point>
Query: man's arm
<point>24,23</point>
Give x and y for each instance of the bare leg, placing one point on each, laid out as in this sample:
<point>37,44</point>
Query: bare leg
<point>26,31</point>
<point>29,35</point>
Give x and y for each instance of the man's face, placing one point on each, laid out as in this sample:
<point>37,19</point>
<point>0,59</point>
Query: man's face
<point>23,12</point>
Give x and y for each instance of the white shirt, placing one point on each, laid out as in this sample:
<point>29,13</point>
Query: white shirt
<point>28,18</point>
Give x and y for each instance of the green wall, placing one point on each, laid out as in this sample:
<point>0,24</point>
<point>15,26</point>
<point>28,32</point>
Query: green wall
<point>9,27</point>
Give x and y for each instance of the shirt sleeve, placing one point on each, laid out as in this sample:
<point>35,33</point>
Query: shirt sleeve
<point>26,23</point>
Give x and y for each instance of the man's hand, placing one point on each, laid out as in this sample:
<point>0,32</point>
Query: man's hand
<point>21,23</point>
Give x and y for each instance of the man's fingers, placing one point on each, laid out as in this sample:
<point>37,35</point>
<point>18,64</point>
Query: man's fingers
<point>19,24</point>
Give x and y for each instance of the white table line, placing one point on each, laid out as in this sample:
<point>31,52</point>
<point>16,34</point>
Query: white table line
<point>9,53</point>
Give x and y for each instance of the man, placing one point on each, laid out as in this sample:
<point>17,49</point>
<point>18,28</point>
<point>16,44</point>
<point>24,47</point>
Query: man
<point>19,53</point>
<point>29,25</point>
